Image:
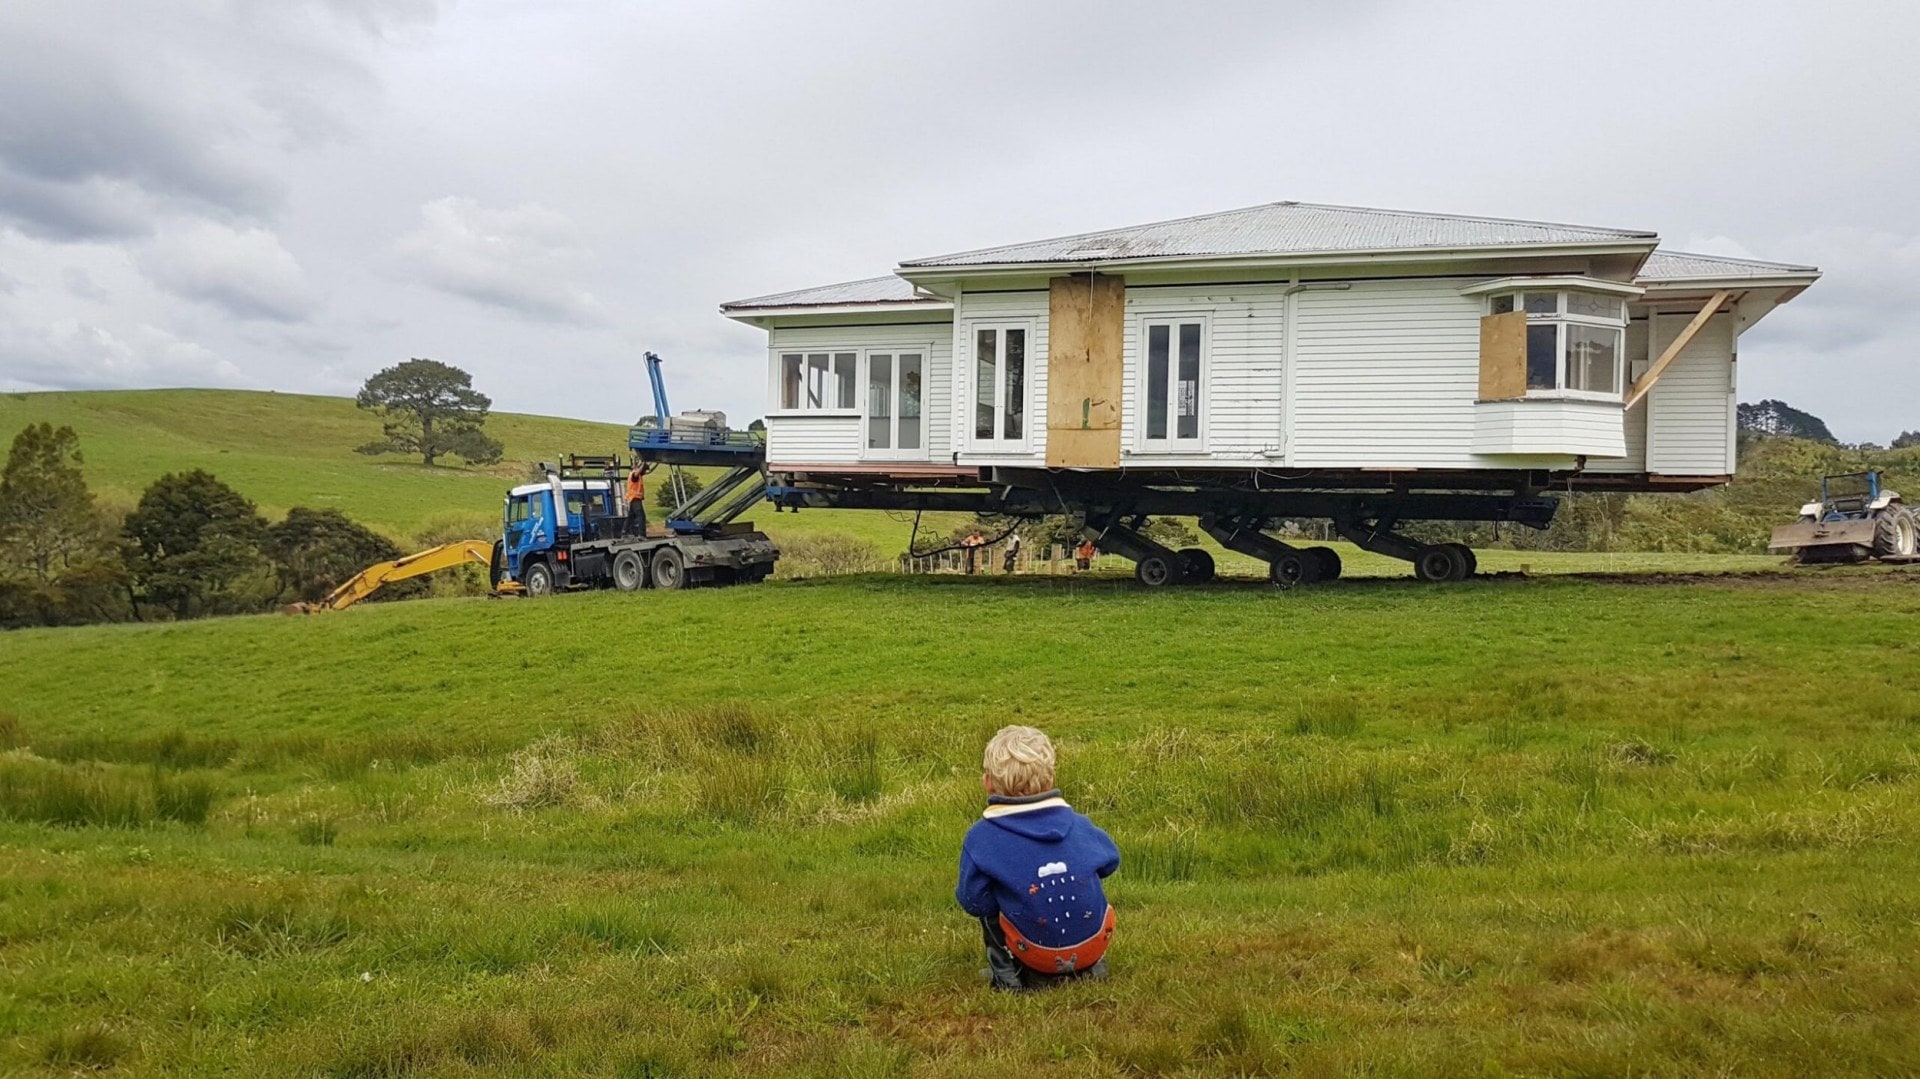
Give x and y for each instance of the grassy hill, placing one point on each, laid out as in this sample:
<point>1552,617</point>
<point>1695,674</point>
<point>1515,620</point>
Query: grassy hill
<point>285,450</point>
<point>1532,827</point>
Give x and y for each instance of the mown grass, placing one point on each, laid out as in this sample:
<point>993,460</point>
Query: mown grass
<point>1522,826</point>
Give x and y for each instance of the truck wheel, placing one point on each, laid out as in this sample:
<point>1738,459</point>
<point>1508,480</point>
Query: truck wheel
<point>1467,558</point>
<point>1327,561</point>
<point>629,572</point>
<point>1197,563</point>
<point>496,566</point>
<point>537,579</point>
<point>669,569</point>
<point>1290,569</point>
<point>1155,571</point>
<point>1442,562</point>
<point>1893,532</point>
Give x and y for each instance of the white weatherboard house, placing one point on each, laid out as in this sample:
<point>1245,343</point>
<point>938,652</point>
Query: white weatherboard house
<point>1285,338</point>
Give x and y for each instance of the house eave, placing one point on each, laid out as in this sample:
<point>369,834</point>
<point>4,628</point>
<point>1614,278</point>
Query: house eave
<point>1382,256</point>
<point>747,314</point>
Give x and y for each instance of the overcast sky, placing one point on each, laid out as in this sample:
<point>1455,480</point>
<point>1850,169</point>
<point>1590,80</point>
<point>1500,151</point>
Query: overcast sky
<point>292,194</point>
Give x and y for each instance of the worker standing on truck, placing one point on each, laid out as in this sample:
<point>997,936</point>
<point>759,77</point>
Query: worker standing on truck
<point>637,497</point>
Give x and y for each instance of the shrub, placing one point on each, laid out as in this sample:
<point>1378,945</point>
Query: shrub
<point>827,555</point>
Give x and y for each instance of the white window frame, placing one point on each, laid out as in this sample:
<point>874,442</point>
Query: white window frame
<point>776,365</point>
<point>1561,318</point>
<point>925,352</point>
<point>1171,444</point>
<point>969,364</point>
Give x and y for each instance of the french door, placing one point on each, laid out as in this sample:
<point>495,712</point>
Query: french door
<point>895,423</point>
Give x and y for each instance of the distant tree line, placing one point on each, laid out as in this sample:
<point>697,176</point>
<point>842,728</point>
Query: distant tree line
<point>191,547</point>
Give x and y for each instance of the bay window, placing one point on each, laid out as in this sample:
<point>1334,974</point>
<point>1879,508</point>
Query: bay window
<point>1573,339</point>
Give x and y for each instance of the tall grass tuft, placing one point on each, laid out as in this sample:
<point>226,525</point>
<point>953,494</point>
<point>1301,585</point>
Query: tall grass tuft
<point>102,796</point>
<point>543,774</point>
<point>856,772</point>
<point>738,788</point>
<point>94,1046</point>
<point>12,734</point>
<point>278,927</point>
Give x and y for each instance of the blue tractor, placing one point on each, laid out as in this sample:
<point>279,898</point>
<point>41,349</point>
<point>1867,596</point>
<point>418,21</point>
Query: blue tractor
<point>575,529</point>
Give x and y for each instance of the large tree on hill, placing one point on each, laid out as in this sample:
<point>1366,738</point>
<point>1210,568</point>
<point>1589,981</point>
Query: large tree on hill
<point>196,548</point>
<point>1905,440</point>
<point>1782,419</point>
<point>431,409</point>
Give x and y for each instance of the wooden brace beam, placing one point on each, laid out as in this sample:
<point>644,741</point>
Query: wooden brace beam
<point>1645,383</point>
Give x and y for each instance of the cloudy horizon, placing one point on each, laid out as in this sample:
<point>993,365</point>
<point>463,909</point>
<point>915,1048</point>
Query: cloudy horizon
<point>273,194</point>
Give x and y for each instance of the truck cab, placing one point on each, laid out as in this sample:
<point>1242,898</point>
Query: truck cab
<point>532,531</point>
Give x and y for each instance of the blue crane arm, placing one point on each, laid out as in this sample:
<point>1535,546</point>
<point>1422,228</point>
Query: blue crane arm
<point>659,383</point>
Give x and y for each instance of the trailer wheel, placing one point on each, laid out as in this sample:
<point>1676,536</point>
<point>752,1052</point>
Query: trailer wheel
<point>1290,569</point>
<point>669,569</point>
<point>1439,563</point>
<point>1467,557</point>
<point>629,572</point>
<point>1197,563</point>
<point>1893,532</point>
<point>1155,571</point>
<point>537,579</point>
<point>1327,563</point>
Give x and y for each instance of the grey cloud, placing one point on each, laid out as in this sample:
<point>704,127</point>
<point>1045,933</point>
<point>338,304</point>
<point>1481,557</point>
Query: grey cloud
<point>80,284</point>
<point>521,259</point>
<point>246,272</point>
<point>71,354</point>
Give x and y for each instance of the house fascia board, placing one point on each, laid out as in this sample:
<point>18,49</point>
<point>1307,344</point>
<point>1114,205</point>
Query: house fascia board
<point>921,275</point>
<point>754,314</point>
<point>1691,285</point>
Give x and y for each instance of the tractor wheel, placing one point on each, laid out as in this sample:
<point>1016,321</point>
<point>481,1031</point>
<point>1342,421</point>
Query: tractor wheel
<point>1439,563</point>
<point>629,572</point>
<point>1155,571</point>
<point>1893,532</point>
<point>1290,569</point>
<point>537,579</point>
<point>1466,556</point>
<point>1198,565</point>
<point>1327,563</point>
<point>669,569</point>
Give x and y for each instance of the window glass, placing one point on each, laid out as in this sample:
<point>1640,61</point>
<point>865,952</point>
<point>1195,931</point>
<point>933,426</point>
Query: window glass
<point>1500,305</point>
<point>518,509</point>
<point>1543,356</point>
<point>816,381</point>
<point>985,381</point>
<point>1593,356</point>
<point>1159,339</point>
<point>790,380</point>
<point>1016,364</point>
<point>879,400</point>
<point>1593,305</point>
<point>1543,303</point>
<point>1187,390</point>
<point>910,364</point>
<point>845,395</point>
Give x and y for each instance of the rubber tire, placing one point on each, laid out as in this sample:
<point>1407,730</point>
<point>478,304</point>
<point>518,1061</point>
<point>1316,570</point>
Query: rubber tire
<point>629,571</point>
<point>1467,556</point>
<point>1155,571</point>
<point>669,569</point>
<point>1290,569</point>
<point>1198,565</point>
<point>1442,562</point>
<point>1893,532</point>
<point>1327,561</point>
<point>496,565</point>
<point>537,580</point>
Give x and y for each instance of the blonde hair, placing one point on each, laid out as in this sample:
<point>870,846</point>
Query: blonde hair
<point>1020,761</point>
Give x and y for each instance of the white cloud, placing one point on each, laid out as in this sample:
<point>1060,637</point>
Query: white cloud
<point>244,271</point>
<point>522,259</point>
<point>72,354</point>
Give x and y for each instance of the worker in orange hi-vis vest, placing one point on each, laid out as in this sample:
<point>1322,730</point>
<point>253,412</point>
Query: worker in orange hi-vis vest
<point>637,497</point>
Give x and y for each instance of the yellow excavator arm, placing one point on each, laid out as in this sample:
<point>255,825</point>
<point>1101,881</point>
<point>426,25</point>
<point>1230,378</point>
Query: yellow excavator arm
<point>367,581</point>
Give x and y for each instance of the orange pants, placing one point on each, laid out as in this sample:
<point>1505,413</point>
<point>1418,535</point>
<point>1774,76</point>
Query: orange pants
<point>1068,960</point>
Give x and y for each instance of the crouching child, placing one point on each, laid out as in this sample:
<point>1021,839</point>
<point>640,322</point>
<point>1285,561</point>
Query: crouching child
<point>1030,870</point>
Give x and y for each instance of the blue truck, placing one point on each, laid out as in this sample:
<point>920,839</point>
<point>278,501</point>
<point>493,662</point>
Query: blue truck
<point>573,529</point>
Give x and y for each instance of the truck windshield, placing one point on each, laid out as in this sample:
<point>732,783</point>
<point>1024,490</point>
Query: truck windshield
<point>1851,485</point>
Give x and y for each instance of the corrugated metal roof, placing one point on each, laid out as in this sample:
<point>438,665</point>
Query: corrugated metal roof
<point>1285,228</point>
<point>1681,266</point>
<point>888,289</point>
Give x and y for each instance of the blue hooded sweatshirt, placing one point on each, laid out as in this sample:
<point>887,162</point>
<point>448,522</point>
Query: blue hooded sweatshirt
<point>1039,863</point>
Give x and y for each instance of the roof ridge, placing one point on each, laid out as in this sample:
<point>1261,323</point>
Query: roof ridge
<point>1390,212</point>
<point>1102,232</point>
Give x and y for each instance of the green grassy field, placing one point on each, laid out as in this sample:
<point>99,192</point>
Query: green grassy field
<point>1514,826</point>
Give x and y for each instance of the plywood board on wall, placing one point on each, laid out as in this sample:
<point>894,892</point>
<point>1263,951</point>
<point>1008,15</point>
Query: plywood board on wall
<point>1086,323</point>
<point>1503,356</point>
